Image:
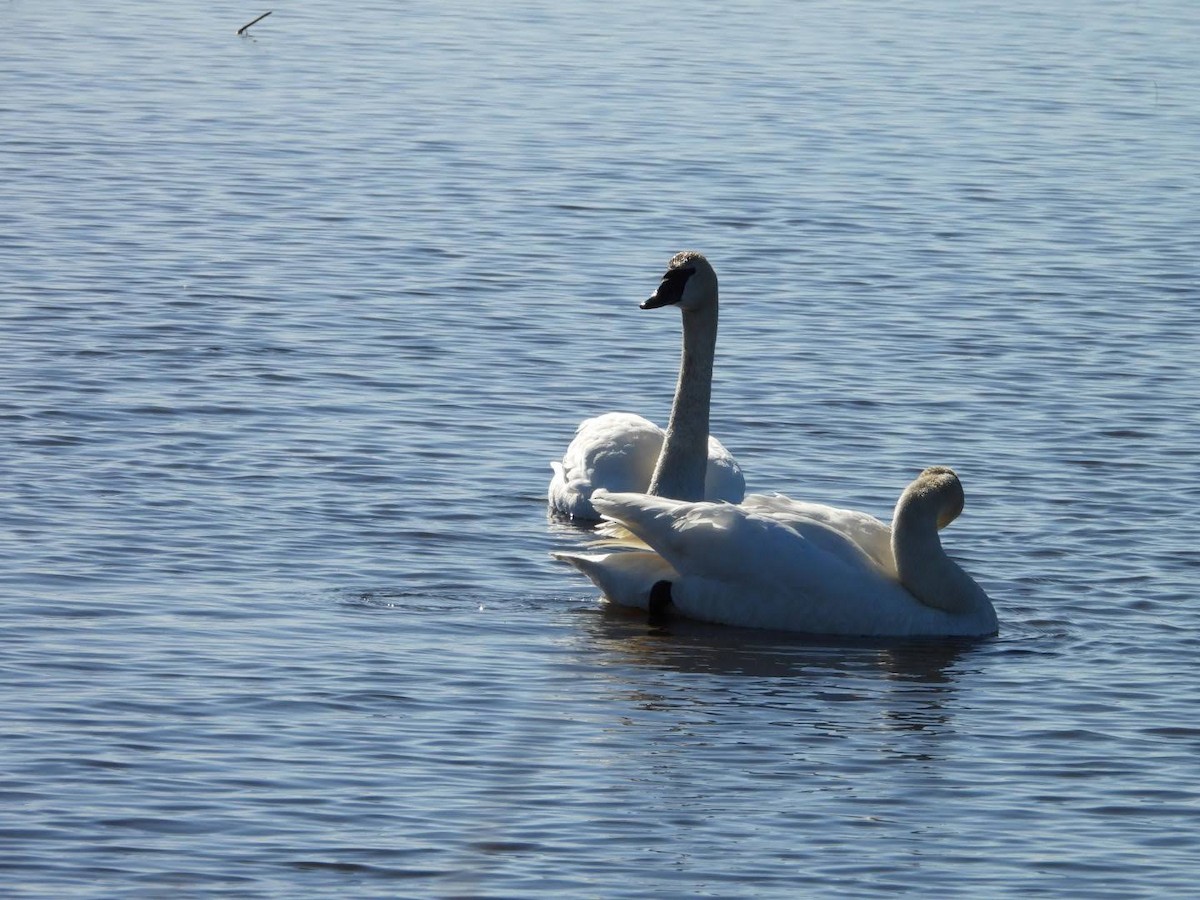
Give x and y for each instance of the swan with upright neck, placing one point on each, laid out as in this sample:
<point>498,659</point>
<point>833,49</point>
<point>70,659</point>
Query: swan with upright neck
<point>622,452</point>
<point>772,563</point>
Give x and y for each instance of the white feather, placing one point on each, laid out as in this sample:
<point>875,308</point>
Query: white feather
<point>618,452</point>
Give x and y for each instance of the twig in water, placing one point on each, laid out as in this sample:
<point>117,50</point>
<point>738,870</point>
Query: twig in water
<point>242,30</point>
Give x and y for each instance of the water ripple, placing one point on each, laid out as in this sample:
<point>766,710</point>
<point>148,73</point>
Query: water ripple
<point>294,322</point>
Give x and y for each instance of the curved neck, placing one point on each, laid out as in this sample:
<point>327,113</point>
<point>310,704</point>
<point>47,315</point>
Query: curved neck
<point>684,459</point>
<point>924,568</point>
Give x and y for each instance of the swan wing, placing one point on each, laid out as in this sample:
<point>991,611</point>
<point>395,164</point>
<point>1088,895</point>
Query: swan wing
<point>615,451</point>
<point>728,542</point>
<point>871,535</point>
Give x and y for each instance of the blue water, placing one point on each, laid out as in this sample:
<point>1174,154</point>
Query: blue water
<point>292,324</point>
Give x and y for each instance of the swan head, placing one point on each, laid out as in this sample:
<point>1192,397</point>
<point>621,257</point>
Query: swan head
<point>689,283</point>
<point>937,492</point>
<point>933,501</point>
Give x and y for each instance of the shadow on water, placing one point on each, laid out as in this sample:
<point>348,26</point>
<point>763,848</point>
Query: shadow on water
<point>693,647</point>
<point>841,687</point>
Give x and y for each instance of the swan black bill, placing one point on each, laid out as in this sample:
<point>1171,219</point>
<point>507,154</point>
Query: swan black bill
<point>670,289</point>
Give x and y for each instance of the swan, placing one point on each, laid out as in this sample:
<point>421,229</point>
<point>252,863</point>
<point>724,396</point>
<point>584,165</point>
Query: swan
<point>774,563</point>
<point>623,452</point>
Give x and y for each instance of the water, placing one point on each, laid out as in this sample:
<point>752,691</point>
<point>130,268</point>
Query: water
<point>293,323</point>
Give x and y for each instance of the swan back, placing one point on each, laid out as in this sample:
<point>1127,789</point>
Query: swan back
<point>872,536</point>
<point>723,478</point>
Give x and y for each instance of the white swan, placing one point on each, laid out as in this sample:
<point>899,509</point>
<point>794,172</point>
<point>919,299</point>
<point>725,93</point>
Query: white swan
<point>622,452</point>
<point>773,563</point>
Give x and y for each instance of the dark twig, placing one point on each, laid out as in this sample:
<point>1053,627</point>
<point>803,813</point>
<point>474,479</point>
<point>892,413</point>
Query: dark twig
<point>242,30</point>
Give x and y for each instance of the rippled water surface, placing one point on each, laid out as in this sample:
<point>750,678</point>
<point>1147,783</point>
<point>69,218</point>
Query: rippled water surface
<point>293,322</point>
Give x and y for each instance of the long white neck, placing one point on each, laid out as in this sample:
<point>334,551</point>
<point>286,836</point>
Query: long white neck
<point>684,458</point>
<point>922,564</point>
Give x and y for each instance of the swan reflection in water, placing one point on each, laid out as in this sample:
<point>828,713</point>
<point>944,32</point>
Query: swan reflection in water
<point>829,684</point>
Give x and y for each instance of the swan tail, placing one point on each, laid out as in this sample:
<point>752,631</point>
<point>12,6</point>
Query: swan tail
<point>624,577</point>
<point>611,534</point>
<point>718,541</point>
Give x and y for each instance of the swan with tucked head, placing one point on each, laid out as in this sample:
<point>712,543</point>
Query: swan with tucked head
<point>772,563</point>
<point>622,452</point>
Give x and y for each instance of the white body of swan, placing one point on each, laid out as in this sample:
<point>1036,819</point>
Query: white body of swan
<point>621,452</point>
<point>774,563</point>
